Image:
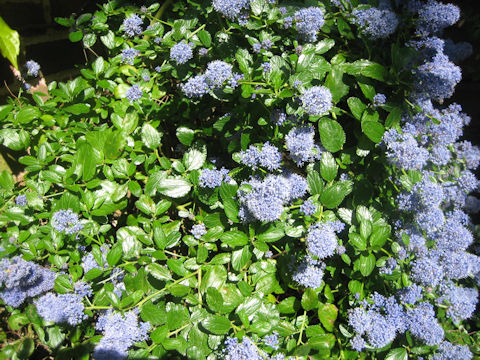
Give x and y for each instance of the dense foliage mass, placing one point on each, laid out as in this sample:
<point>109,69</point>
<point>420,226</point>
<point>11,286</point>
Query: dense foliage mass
<point>240,179</point>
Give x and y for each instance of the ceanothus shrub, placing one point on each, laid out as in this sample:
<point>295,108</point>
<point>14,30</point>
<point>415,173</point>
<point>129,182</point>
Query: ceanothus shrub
<point>236,179</point>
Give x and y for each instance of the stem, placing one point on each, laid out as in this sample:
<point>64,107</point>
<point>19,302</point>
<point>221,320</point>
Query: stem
<point>156,293</point>
<point>301,329</point>
<point>196,31</point>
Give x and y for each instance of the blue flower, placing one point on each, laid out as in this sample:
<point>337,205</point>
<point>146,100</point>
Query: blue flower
<point>196,87</point>
<point>66,221</point>
<point>309,273</point>
<point>181,53</point>
<point>299,142</point>
<point>321,239</point>
<point>213,178</point>
<point>423,325</point>
<point>243,350</point>
<point>271,340</point>
<point>317,100</point>
<point>257,47</point>
<point>134,93</point>
<point>435,16</point>
<point>132,25</point>
<point>217,73</point>
<point>449,351</point>
<point>83,289</point>
<point>21,200</point>
<point>269,157</point>
<point>461,302</point>
<point>129,54</point>
<point>376,23</point>
<point>32,68</point>
<point>62,308</point>
<point>202,51</point>
<point>22,279</point>
<point>119,334</point>
<point>308,22</point>
<point>379,99</point>
<point>308,208</point>
<point>198,230</point>
<point>230,8</point>
<point>278,117</point>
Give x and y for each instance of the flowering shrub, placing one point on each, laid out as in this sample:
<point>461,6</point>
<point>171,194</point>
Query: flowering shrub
<point>245,180</point>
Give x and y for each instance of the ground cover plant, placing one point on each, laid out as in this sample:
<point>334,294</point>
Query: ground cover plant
<point>235,179</point>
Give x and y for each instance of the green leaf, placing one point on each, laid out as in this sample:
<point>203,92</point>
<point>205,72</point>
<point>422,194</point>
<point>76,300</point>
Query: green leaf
<point>150,136</point>
<point>258,6</point>
<point>6,180</point>
<point>327,313</point>
<point>374,130</point>
<point>27,114</point>
<point>63,284</point>
<point>75,36</point>
<point>89,40</point>
<point>215,276</point>
<point>332,195</point>
<point>328,167</point>
<point>108,39</point>
<point>155,314</point>
<point>393,119</point>
<point>85,161</point>
<point>366,264</point>
<point>357,107</point>
<point>289,305</point>
<point>379,236</point>
<point>98,65</point>
<point>324,45</point>
<point>174,188</point>
<point>9,43</point>
<point>334,82</point>
<point>332,134</point>
<point>241,257</point>
<point>214,299</point>
<point>366,68</point>
<point>397,354</point>
<point>114,255</point>
<point>309,299</point>
<point>15,139</point>
<point>357,241</point>
<point>234,238</point>
<point>244,59</point>
<point>185,135</point>
<point>216,324</point>
<point>315,183</point>
<point>195,157</point>
<point>78,109</point>
<point>159,272</point>
<point>273,233</point>
<point>205,38</point>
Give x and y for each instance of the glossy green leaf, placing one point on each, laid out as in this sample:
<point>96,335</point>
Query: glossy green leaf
<point>331,134</point>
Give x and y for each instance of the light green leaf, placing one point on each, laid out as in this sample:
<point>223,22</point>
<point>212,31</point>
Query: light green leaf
<point>150,136</point>
<point>332,134</point>
<point>195,157</point>
<point>9,43</point>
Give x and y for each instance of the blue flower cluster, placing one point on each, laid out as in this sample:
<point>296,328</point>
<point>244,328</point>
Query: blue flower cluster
<point>379,99</point>
<point>378,320</point>
<point>134,93</point>
<point>321,239</point>
<point>216,75</point>
<point>213,178</point>
<point>309,21</point>
<point>32,68</point>
<point>230,8</point>
<point>308,208</point>
<point>266,198</point>
<point>129,55</point>
<point>317,100</point>
<point>61,308</point>
<point>66,221</point>
<point>132,25</point>
<point>309,272</point>
<point>198,230</point>
<point>268,157</point>
<point>300,143</point>
<point>376,23</point>
<point>278,117</point>
<point>247,349</point>
<point>23,279</point>
<point>181,52</point>
<point>448,351</point>
<point>119,334</point>
<point>434,16</point>
<point>21,200</point>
